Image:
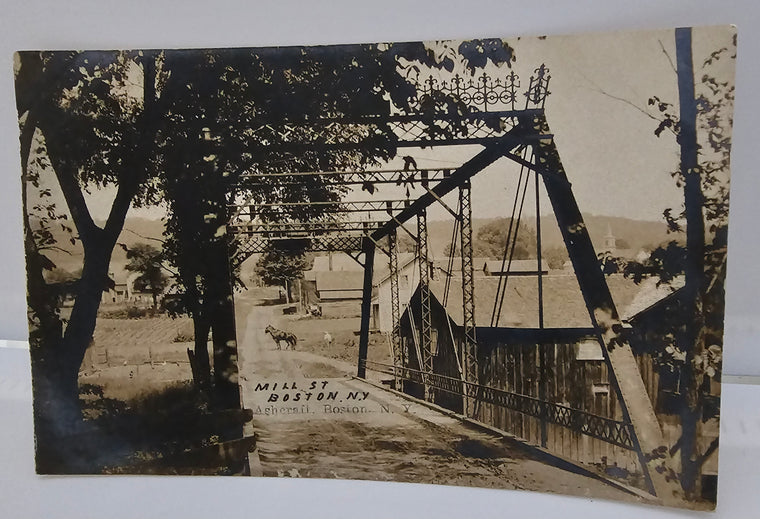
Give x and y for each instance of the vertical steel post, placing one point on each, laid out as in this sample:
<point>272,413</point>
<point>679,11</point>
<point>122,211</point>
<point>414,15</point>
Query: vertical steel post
<point>398,361</point>
<point>426,324</point>
<point>469,345</point>
<point>368,248</point>
<point>541,347</point>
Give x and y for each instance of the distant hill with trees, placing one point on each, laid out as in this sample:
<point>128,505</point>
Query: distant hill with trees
<point>136,230</point>
<point>630,234</point>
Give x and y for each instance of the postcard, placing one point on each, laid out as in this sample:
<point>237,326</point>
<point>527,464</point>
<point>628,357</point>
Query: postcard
<point>491,262</point>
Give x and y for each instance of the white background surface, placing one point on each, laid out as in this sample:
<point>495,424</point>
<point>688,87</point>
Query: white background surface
<point>79,24</point>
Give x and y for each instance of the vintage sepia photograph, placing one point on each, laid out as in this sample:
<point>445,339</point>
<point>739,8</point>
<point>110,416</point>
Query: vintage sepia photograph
<point>492,263</point>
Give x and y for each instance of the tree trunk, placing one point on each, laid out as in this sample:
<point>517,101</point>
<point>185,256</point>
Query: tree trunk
<point>695,258</point>
<point>56,366</point>
<point>202,371</point>
<point>223,331</point>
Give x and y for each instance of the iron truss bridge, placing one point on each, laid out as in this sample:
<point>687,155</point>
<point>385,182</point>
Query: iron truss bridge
<point>356,177</point>
<point>318,243</point>
<point>329,207</point>
<point>487,109</point>
<point>254,236</point>
<point>606,429</point>
<point>304,229</point>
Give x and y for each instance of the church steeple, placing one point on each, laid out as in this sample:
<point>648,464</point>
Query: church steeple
<point>609,240</point>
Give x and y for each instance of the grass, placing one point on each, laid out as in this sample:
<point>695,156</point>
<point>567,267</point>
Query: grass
<point>149,433</point>
<point>128,312</point>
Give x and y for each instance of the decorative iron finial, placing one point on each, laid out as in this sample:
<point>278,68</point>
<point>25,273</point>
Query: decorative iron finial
<point>539,88</point>
<point>512,83</point>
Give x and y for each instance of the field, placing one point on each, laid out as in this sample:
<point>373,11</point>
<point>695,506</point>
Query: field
<point>130,357</point>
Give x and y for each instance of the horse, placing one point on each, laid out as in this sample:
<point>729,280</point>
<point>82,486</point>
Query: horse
<point>279,335</point>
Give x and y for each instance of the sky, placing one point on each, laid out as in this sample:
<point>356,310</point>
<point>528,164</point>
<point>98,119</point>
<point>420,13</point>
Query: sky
<point>616,165</point>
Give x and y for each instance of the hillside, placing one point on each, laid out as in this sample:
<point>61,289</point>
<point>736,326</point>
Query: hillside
<point>136,230</point>
<point>639,234</point>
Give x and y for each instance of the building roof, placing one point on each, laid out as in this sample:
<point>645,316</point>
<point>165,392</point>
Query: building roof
<point>332,295</point>
<point>337,280</point>
<point>382,269</point>
<point>563,301</point>
<point>340,261</point>
<point>443,263</point>
<point>525,266</point>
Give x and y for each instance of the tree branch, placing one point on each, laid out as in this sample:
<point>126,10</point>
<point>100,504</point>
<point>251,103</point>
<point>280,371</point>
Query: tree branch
<point>69,184</point>
<point>670,60</point>
<point>128,187</point>
<point>710,449</point>
<point>159,240</point>
<point>637,107</point>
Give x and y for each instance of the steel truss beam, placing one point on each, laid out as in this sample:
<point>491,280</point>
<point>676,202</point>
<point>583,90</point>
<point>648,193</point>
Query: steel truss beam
<point>412,131</point>
<point>426,323</point>
<point>398,355</point>
<point>469,353</point>
<point>490,154</point>
<point>624,371</point>
<point>294,229</point>
<point>252,210</point>
<point>358,177</point>
<point>368,248</point>
<point>323,243</point>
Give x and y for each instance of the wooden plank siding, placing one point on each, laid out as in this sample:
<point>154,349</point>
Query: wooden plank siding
<point>508,360</point>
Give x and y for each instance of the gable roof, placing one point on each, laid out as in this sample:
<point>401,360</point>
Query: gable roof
<point>382,270</point>
<point>443,263</point>
<point>340,261</point>
<point>525,266</point>
<point>337,280</point>
<point>562,300</point>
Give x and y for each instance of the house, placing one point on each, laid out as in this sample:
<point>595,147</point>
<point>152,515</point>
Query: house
<point>119,287</point>
<point>334,283</point>
<point>332,262</point>
<point>408,274</point>
<point>526,267</point>
<point>122,288</point>
<point>339,285</point>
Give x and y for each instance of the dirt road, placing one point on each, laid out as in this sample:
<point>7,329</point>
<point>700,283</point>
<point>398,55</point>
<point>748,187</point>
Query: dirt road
<point>314,420</point>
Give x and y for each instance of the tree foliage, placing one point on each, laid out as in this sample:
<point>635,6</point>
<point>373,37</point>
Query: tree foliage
<point>146,259</point>
<point>490,240</point>
<point>667,262</point>
<point>280,266</point>
<point>193,130</point>
<point>691,344</point>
